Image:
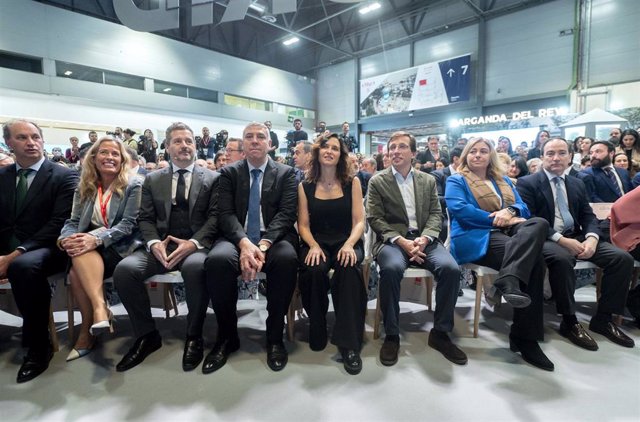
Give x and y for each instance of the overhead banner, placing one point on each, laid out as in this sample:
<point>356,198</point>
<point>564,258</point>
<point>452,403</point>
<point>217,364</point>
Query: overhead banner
<point>425,86</point>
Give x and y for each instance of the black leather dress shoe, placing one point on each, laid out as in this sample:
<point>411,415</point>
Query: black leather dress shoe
<point>612,332</point>
<point>217,357</point>
<point>578,336</point>
<point>193,353</point>
<point>351,361</point>
<point>277,357</point>
<point>440,341</point>
<point>511,292</point>
<point>389,352</point>
<point>531,352</point>
<point>35,363</point>
<point>142,348</point>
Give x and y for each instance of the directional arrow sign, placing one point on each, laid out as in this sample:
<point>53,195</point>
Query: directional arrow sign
<point>458,78</point>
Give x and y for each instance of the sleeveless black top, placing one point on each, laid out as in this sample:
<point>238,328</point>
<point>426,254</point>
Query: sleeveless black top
<point>329,219</point>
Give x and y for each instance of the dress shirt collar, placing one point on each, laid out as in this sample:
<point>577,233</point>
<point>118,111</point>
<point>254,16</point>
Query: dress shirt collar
<point>397,174</point>
<point>262,167</point>
<point>35,167</point>
<point>189,168</point>
<point>551,176</point>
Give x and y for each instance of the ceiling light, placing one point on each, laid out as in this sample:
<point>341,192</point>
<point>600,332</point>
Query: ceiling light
<point>68,73</point>
<point>257,7</point>
<point>369,8</point>
<point>291,40</point>
<point>166,90</point>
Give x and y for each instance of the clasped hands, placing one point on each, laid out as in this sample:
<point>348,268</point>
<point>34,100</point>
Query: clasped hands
<point>251,259</point>
<point>503,218</point>
<point>78,244</point>
<point>184,249</point>
<point>414,248</point>
<point>581,250</point>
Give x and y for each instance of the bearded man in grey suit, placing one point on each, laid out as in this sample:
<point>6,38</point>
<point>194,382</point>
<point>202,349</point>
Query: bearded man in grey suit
<point>404,212</point>
<point>179,224</point>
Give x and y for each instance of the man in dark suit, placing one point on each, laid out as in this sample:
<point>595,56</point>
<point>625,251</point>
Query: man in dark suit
<point>574,234</point>
<point>178,222</point>
<point>605,183</point>
<point>428,157</point>
<point>34,204</point>
<point>257,213</point>
<point>404,212</point>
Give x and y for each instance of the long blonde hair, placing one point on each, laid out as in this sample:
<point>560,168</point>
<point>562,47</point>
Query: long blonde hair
<point>495,168</point>
<point>90,179</point>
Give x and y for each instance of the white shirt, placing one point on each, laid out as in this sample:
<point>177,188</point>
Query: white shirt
<point>32,175</point>
<point>187,181</point>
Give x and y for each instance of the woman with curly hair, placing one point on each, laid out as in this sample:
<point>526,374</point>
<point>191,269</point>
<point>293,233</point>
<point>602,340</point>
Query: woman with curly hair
<point>102,230</point>
<point>331,224</point>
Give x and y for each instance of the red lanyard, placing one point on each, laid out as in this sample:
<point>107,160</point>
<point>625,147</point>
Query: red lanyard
<point>103,205</point>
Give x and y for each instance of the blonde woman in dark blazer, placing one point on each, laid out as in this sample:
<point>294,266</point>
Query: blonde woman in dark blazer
<point>101,231</point>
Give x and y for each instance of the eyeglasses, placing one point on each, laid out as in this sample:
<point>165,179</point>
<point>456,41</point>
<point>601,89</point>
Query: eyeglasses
<point>233,150</point>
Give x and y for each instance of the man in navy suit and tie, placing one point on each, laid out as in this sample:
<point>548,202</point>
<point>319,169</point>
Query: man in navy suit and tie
<point>574,234</point>
<point>258,203</point>
<point>35,201</point>
<point>605,183</point>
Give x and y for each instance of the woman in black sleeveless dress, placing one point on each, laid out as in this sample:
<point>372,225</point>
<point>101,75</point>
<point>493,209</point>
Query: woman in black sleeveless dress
<point>331,224</point>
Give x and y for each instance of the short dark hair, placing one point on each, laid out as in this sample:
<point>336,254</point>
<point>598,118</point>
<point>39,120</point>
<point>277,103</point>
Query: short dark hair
<point>557,138</point>
<point>412,139</point>
<point>456,152</point>
<point>176,126</point>
<point>297,120</point>
<point>609,145</point>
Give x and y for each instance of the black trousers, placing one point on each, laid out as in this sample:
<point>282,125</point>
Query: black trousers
<point>517,252</point>
<point>617,268</point>
<point>28,277</point>
<point>129,277</point>
<point>222,270</point>
<point>347,292</point>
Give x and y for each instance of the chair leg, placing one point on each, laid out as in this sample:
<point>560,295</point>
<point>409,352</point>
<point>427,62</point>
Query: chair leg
<point>476,311</point>
<point>70,315</point>
<point>429,282</point>
<point>174,301</point>
<point>52,330</point>
<point>376,320</point>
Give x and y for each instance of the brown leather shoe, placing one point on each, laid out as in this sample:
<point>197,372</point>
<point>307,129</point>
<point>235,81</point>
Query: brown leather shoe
<point>578,336</point>
<point>389,352</point>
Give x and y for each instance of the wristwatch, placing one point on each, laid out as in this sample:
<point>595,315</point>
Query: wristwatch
<point>98,241</point>
<point>512,211</point>
<point>263,248</point>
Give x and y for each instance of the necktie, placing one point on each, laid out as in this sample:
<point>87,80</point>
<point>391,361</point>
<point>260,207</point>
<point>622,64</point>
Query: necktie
<point>181,198</point>
<point>22,188</point>
<point>253,216</point>
<point>567,219</point>
<point>612,176</point>
<point>21,193</point>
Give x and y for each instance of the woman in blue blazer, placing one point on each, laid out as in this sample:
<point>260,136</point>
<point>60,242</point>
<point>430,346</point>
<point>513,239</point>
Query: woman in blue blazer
<point>101,231</point>
<point>490,226</point>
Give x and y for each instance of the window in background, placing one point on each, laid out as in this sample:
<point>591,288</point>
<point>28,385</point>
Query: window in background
<point>20,62</point>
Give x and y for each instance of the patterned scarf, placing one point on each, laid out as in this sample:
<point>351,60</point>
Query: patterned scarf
<point>485,196</point>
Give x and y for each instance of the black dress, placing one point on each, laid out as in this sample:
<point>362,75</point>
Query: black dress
<point>330,223</point>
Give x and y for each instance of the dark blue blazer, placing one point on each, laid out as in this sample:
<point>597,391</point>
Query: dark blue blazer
<point>536,192</point>
<point>600,188</point>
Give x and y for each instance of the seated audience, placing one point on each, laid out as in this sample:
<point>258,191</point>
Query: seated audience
<point>257,212</point>
<point>573,234</point>
<point>490,226</point>
<point>404,212</point>
<point>101,231</point>
<point>331,225</point>
<point>178,223</point>
<point>630,145</point>
<point>35,201</point>
<point>517,169</point>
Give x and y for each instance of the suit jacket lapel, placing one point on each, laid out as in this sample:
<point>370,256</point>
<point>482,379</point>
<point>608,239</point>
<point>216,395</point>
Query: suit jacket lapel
<point>550,202</point>
<point>243,191</point>
<point>166,180</point>
<point>115,212</point>
<point>8,189</point>
<point>419,190</point>
<point>607,180</point>
<point>196,186</point>
<point>41,178</point>
<point>394,192</point>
